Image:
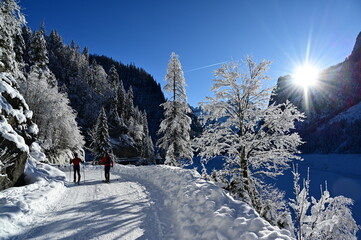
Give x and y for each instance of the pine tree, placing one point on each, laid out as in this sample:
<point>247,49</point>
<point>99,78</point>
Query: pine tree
<point>85,53</point>
<point>11,21</point>
<point>38,51</point>
<point>113,76</point>
<point>19,49</point>
<point>147,149</point>
<point>175,127</point>
<point>55,47</point>
<point>39,58</point>
<point>99,81</point>
<point>100,137</point>
<point>121,96</point>
<point>27,36</point>
<point>129,104</point>
<point>116,122</point>
<point>256,139</point>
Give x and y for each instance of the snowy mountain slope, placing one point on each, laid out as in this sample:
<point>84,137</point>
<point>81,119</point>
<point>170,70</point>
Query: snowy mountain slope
<point>155,202</point>
<point>340,134</point>
<point>350,115</point>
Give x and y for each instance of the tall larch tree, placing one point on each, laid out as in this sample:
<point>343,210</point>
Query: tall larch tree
<point>175,127</point>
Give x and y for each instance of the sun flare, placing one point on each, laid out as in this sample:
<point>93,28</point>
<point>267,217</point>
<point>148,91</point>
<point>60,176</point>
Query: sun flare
<point>306,76</point>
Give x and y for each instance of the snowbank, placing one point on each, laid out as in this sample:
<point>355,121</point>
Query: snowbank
<point>20,205</point>
<point>199,209</point>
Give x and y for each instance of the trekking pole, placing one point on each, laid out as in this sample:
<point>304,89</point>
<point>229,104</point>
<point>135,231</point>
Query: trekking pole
<point>83,173</point>
<point>70,173</point>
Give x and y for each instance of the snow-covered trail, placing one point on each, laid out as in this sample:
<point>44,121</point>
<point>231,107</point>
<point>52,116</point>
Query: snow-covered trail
<point>143,203</point>
<point>98,210</point>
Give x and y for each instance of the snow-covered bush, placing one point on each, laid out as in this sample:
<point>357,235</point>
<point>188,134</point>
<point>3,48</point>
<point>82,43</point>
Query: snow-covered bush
<point>326,218</point>
<point>59,131</point>
<point>56,119</point>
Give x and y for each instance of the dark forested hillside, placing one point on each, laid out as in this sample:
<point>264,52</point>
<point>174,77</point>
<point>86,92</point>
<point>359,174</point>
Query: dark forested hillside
<point>129,95</point>
<point>147,92</point>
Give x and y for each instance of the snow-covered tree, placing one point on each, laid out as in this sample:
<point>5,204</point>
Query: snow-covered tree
<point>38,52</point>
<point>55,47</point>
<point>17,131</point>
<point>11,21</point>
<point>327,218</point>
<point>175,127</point>
<point>39,58</point>
<point>256,139</point>
<point>113,76</point>
<point>27,36</point>
<point>100,137</point>
<point>19,49</point>
<point>147,149</point>
<point>85,53</point>
<point>129,104</point>
<point>58,129</point>
<point>99,79</point>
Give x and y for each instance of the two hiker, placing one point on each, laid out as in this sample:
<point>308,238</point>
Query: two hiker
<point>106,160</point>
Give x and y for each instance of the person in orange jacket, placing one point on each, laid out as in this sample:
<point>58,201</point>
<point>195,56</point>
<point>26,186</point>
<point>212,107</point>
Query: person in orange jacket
<point>107,161</point>
<point>76,161</point>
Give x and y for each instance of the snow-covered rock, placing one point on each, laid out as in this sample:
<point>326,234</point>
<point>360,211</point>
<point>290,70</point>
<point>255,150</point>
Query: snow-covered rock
<point>17,131</point>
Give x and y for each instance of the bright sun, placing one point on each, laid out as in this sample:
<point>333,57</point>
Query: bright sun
<point>306,76</point>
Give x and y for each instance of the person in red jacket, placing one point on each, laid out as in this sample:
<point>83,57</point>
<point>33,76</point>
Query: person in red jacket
<point>107,161</point>
<point>76,161</point>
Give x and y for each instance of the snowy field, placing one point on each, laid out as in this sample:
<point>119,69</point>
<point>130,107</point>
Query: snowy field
<point>155,202</point>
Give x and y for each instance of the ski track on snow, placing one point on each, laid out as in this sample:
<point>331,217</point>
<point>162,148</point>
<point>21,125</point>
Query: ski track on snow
<point>98,210</point>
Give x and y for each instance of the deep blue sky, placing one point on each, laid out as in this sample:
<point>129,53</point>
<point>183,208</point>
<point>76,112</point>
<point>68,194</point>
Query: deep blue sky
<point>204,32</point>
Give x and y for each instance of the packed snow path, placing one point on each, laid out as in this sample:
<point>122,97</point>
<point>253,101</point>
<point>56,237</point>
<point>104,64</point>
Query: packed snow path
<point>150,202</point>
<point>98,210</point>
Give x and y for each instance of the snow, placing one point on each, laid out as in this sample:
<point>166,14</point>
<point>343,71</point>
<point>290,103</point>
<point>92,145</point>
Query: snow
<point>352,114</point>
<point>149,202</point>
<point>199,209</point>
<point>19,206</point>
<point>5,87</point>
<point>8,133</point>
<point>18,114</point>
<point>341,171</point>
